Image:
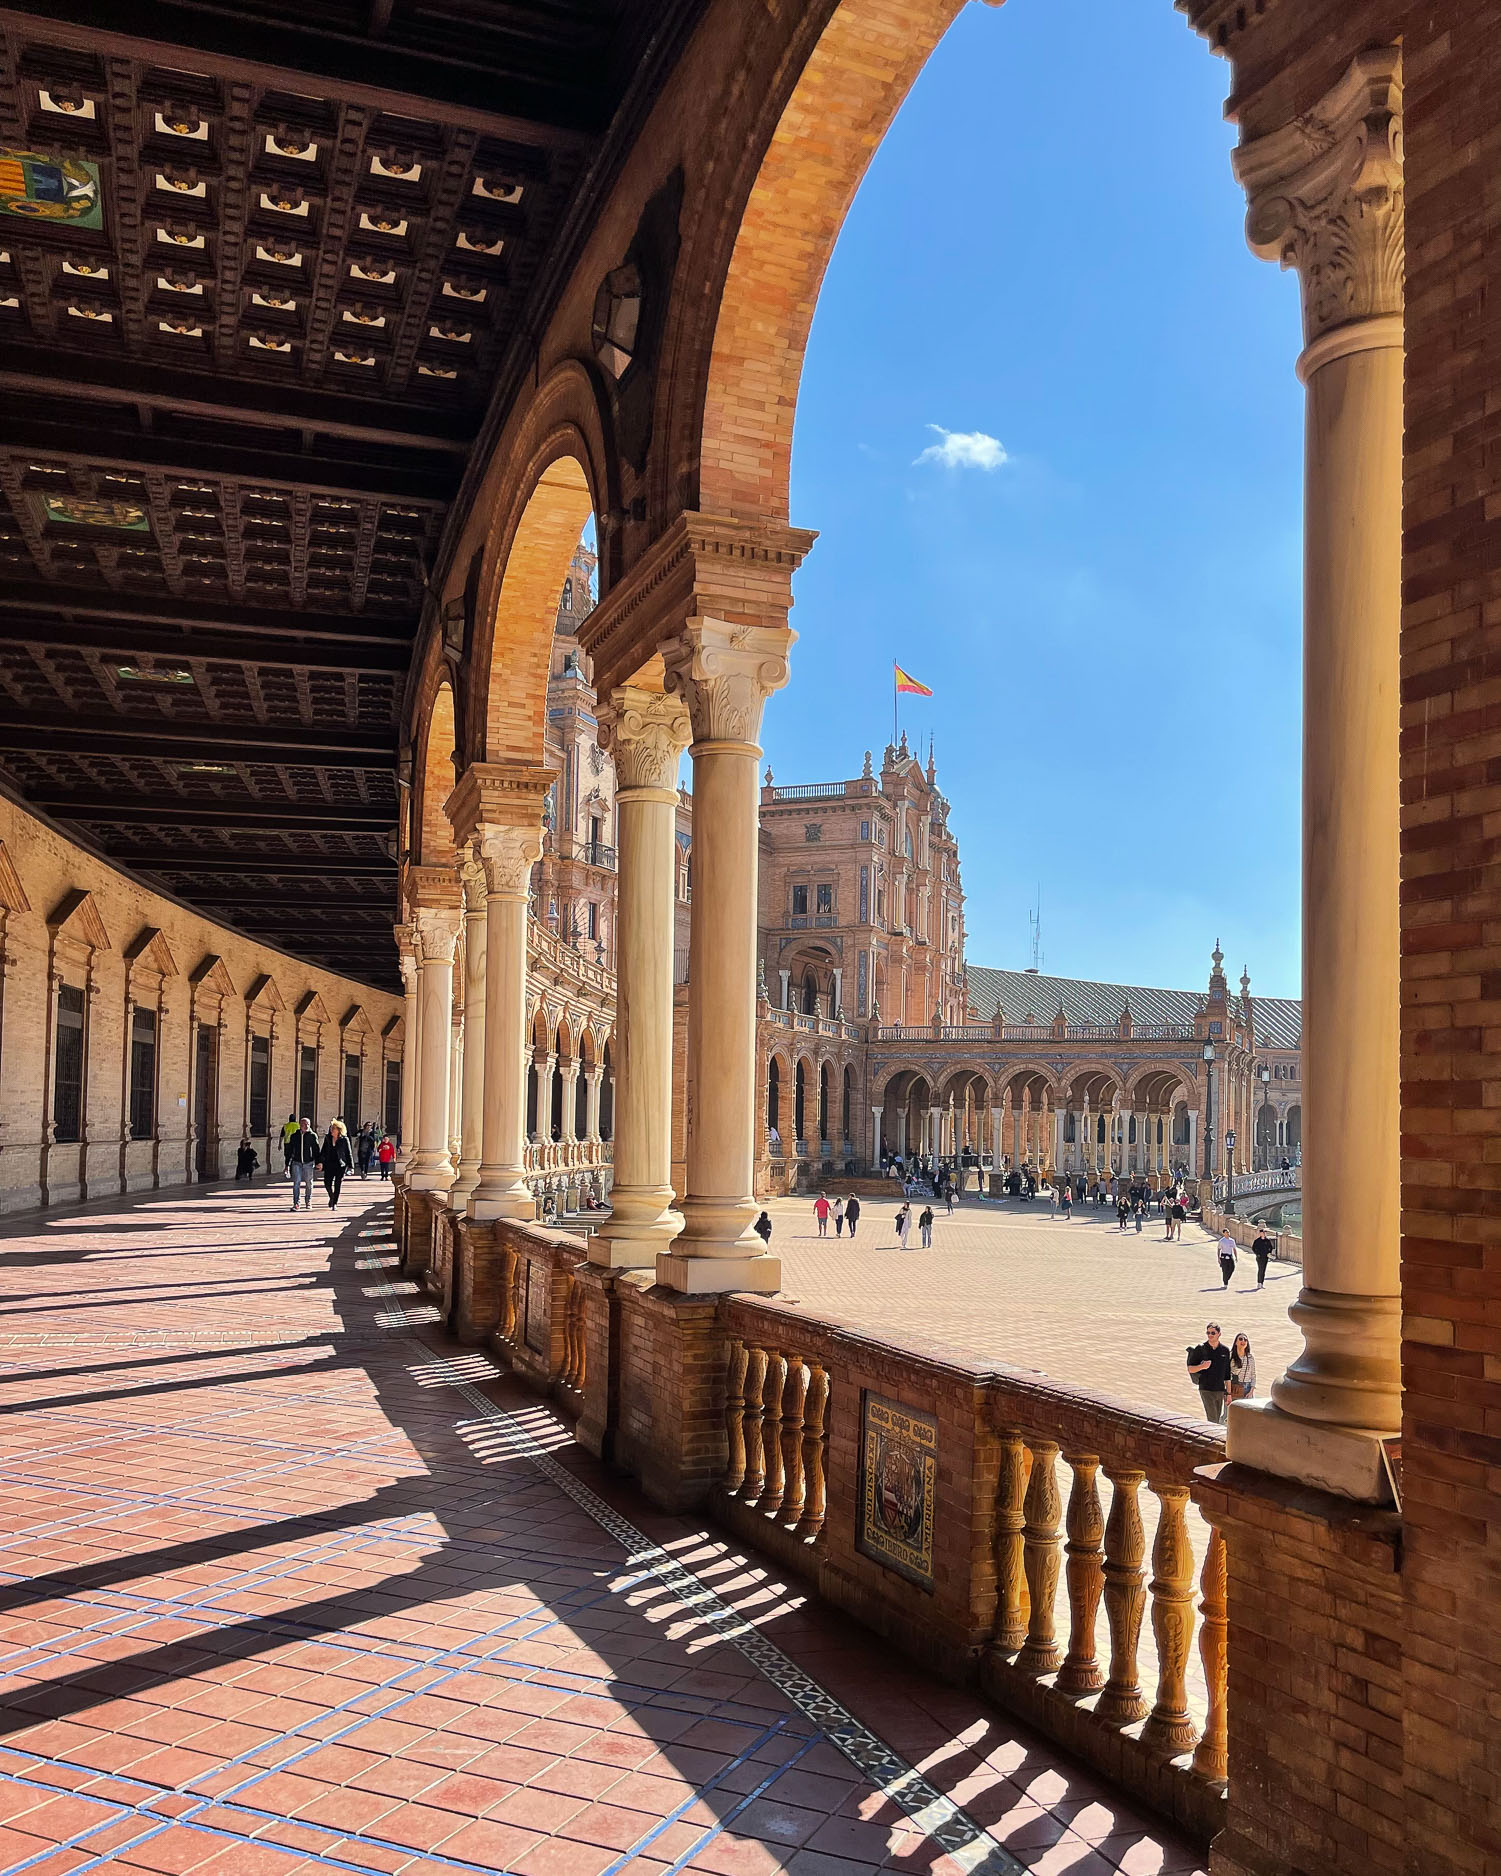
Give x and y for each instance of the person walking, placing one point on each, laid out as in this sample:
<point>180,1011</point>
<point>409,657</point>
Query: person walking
<point>1141,1215</point>
<point>367,1148</point>
<point>925,1228</point>
<point>385,1153</point>
<point>336,1160</point>
<point>1261,1249</point>
<point>1066,1202</point>
<point>821,1213</point>
<point>303,1152</point>
<point>852,1214</point>
<point>762,1228</point>
<point>1179,1213</point>
<point>1122,1214</point>
<point>1242,1369</point>
<point>1225,1251</point>
<point>838,1218</point>
<point>286,1145</point>
<point>903,1225</point>
<point>948,1198</point>
<point>1209,1365</point>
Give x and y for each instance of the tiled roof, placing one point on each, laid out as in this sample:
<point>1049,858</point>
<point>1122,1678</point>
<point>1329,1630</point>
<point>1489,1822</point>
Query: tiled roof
<point>1026,998</point>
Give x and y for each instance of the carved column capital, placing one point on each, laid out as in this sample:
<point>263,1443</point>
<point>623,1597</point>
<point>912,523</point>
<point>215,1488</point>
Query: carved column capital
<point>1325,197</point>
<point>472,880</point>
<point>724,673</point>
<point>507,855</point>
<point>438,932</point>
<point>646,731</point>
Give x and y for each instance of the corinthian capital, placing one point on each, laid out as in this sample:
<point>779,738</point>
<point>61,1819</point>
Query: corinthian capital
<point>724,674</point>
<point>437,932</point>
<point>472,879</point>
<point>648,733</point>
<point>507,855</point>
<point>1325,196</point>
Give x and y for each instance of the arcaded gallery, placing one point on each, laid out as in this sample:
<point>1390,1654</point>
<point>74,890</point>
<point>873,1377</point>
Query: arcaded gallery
<point>502,1508</point>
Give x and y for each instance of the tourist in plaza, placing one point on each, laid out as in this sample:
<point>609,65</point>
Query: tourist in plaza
<point>1140,1213</point>
<point>838,1218</point>
<point>1209,1365</point>
<point>286,1143</point>
<point>1178,1213</point>
<point>386,1154</point>
<point>1225,1251</point>
<point>302,1153</point>
<point>903,1225</point>
<point>367,1148</point>
<point>1242,1369</point>
<point>925,1227</point>
<point>762,1227</point>
<point>1122,1213</point>
<point>1065,1201</point>
<point>821,1213</point>
<point>336,1160</point>
<point>247,1159</point>
<point>852,1214</point>
<point>1261,1249</point>
<point>948,1197</point>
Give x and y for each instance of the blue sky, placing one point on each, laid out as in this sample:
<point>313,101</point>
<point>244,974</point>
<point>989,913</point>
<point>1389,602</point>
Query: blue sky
<point>1048,252</point>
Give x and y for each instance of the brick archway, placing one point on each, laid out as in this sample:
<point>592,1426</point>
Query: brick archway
<point>435,776</point>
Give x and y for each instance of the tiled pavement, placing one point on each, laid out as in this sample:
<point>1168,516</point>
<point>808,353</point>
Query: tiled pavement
<point>1083,1302</point>
<point>289,1581</point>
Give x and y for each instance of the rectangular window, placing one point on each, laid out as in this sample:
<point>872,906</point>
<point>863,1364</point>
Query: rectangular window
<point>865,830</point>
<point>392,1116</point>
<point>67,1065</point>
<point>142,1074</point>
<point>260,1085</point>
<point>352,1091</point>
<point>826,898</point>
<point>593,919</point>
<point>307,1083</point>
<point>799,901</point>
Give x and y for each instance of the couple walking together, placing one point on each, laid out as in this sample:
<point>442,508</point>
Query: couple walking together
<point>843,1213</point>
<point>304,1150</point>
<point>1221,1374</point>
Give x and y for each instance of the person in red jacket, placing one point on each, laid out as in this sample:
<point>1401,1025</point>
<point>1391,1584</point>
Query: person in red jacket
<point>386,1154</point>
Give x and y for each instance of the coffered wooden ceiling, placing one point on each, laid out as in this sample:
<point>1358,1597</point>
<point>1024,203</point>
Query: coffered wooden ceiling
<point>262,271</point>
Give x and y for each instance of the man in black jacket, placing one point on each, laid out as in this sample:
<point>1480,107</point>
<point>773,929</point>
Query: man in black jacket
<point>303,1154</point>
<point>1209,1364</point>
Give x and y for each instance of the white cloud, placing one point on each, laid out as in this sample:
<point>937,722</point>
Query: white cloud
<point>963,449</point>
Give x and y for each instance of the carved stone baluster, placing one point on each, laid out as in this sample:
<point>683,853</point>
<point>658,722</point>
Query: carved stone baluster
<point>734,1416</point>
<point>755,1457</point>
<point>1170,1728</point>
<point>794,1396</point>
<point>1042,1552</point>
<point>1011,1583</point>
<point>1211,1755</point>
<point>1123,1701</point>
<point>815,1446</point>
<point>1080,1673</point>
<point>770,1500</point>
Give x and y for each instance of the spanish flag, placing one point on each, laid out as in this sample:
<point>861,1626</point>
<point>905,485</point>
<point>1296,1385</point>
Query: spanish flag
<point>909,686</point>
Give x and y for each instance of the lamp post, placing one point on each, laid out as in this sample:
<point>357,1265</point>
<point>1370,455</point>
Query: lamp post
<point>1266,1096</point>
<point>1230,1171</point>
<point>1209,1110</point>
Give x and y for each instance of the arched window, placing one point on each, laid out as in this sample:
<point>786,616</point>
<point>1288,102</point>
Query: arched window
<point>849,1103</point>
<point>823,1102</point>
<point>799,1101</point>
<point>607,1098</point>
<point>810,991</point>
<point>773,1097</point>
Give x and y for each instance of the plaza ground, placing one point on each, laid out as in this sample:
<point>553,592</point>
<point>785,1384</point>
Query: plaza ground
<point>290,1581</point>
<point>1102,1311</point>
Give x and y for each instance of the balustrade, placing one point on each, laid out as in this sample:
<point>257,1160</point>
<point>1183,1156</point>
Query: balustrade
<point>776,1429</point>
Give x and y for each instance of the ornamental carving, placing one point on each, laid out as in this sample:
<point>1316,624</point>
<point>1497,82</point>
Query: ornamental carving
<point>648,732</point>
<point>438,931</point>
<point>507,855</point>
<point>1325,196</point>
<point>472,879</point>
<point>724,674</point>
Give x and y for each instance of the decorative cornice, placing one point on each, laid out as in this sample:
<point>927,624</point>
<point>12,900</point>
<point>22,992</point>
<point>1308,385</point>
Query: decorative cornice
<point>647,731</point>
<point>1325,197</point>
<point>429,888</point>
<point>77,909</point>
<point>724,673</point>
<point>499,794</point>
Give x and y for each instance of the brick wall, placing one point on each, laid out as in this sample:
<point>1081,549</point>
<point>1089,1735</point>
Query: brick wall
<point>1451,938</point>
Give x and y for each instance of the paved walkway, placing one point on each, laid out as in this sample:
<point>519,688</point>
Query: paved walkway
<point>1013,1282</point>
<point>289,1581</point>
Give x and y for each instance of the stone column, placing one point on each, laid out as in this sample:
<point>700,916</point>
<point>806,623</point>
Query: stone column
<point>1326,198</point>
<point>472,1086</point>
<point>568,1073</point>
<point>836,1008</point>
<point>997,1137</point>
<point>594,1075</point>
<point>724,674</point>
<point>506,853</point>
<point>934,1131</point>
<point>406,944</point>
<point>648,734</point>
<point>875,1135</point>
<point>786,977</point>
<point>455,1078</point>
<point>1060,1115</point>
<point>431,1169</point>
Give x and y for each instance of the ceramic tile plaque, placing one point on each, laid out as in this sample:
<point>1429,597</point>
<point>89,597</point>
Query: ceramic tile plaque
<point>898,1486</point>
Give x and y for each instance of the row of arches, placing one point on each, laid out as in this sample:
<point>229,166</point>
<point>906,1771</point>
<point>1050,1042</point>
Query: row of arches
<point>810,1102</point>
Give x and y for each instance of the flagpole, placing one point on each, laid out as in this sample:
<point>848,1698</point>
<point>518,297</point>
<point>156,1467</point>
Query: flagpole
<point>893,703</point>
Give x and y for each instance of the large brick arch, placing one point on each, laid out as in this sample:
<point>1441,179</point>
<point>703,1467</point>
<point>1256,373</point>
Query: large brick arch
<point>841,105</point>
<point>435,774</point>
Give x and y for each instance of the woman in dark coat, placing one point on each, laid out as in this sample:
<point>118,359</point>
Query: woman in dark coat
<point>335,1159</point>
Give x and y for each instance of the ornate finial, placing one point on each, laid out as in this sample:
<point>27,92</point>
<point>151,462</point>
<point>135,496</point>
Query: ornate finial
<point>1217,956</point>
<point>1245,982</point>
<point>902,749</point>
<point>768,775</point>
<point>761,995</point>
<point>932,765</point>
<point>866,772</point>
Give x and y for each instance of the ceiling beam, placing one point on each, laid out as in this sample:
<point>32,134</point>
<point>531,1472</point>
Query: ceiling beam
<point>239,863</point>
<point>119,640</point>
<point>209,615</point>
<point>79,443</point>
<point>400,79</point>
<point>274,906</point>
<point>73,375</point>
<point>310,817</point>
<point>166,739</point>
